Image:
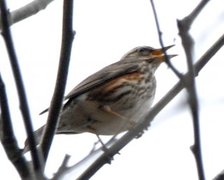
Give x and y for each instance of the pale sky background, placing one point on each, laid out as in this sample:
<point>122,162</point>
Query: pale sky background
<point>105,31</point>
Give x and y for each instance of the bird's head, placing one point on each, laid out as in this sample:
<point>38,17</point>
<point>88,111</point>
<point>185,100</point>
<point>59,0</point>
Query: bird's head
<point>148,54</point>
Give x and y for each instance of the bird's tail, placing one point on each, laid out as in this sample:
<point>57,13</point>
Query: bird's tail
<point>38,134</point>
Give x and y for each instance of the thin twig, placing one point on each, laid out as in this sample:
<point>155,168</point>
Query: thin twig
<point>7,136</point>
<point>56,103</point>
<point>6,33</point>
<point>187,43</point>
<point>170,65</point>
<point>65,169</point>
<point>116,147</point>
<point>62,168</point>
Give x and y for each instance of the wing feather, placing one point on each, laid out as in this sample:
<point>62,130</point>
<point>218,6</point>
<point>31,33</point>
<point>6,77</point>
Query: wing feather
<point>104,75</point>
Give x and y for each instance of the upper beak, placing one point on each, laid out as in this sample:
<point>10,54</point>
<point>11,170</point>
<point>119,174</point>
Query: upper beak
<point>159,53</point>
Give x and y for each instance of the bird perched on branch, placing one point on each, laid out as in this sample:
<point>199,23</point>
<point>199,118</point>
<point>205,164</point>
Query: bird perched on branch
<point>115,98</point>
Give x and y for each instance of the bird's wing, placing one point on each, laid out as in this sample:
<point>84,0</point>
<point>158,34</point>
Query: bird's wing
<point>104,75</point>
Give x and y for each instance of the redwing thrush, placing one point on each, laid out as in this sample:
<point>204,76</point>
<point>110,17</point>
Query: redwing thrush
<point>115,98</point>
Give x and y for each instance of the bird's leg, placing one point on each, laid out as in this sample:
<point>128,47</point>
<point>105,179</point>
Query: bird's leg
<point>108,109</point>
<point>102,143</point>
<point>105,149</point>
<point>94,148</point>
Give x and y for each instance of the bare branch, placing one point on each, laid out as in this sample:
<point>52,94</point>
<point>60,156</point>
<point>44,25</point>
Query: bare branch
<point>62,169</point>
<point>56,103</point>
<point>65,169</point>
<point>7,136</point>
<point>116,147</point>
<point>6,33</point>
<point>188,20</point>
<point>220,176</point>
<point>189,83</point>
<point>187,42</point>
<point>26,11</point>
<point>170,65</point>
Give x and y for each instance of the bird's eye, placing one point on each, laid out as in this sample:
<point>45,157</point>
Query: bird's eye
<point>144,51</point>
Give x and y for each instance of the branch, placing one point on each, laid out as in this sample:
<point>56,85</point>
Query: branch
<point>189,83</point>
<point>115,148</point>
<point>62,169</point>
<point>56,103</point>
<point>170,65</point>
<point>6,33</point>
<point>188,43</point>
<point>220,176</point>
<point>188,20</point>
<point>7,136</point>
<point>26,11</point>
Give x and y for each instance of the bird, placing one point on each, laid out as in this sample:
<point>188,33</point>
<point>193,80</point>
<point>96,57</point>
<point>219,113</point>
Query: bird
<point>115,98</point>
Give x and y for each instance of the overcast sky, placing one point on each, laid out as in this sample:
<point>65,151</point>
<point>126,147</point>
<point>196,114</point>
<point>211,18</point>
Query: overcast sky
<point>105,30</point>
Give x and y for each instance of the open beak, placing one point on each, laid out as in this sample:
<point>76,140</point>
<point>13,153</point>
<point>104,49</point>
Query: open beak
<point>159,53</point>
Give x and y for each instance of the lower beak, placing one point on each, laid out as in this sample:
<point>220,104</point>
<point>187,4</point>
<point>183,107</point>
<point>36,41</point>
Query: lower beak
<point>171,56</point>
